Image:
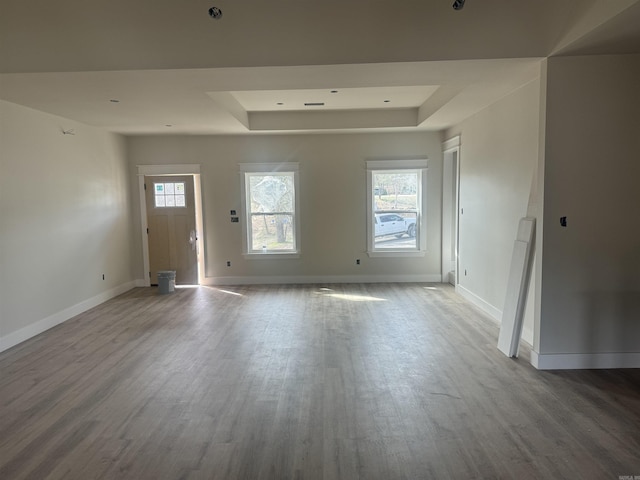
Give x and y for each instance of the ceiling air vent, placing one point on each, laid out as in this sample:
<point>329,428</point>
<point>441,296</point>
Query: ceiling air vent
<point>314,104</point>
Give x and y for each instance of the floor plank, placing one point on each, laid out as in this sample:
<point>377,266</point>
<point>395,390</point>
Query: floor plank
<point>354,381</point>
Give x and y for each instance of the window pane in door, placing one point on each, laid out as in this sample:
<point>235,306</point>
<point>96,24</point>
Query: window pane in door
<point>170,194</point>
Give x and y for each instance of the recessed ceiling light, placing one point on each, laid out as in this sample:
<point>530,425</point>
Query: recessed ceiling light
<point>168,125</point>
<point>280,103</point>
<point>387,101</point>
<point>334,91</point>
<point>113,100</point>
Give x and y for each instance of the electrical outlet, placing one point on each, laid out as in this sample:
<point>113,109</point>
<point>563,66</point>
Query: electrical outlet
<point>357,261</point>
<point>103,276</point>
<point>465,272</point>
<point>228,263</point>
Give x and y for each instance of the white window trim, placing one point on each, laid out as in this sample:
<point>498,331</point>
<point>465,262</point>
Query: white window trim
<point>419,165</point>
<point>269,168</point>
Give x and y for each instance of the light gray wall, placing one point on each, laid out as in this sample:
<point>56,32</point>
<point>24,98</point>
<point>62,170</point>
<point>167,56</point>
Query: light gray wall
<point>64,220</point>
<point>332,200</point>
<point>498,158</point>
<point>590,298</point>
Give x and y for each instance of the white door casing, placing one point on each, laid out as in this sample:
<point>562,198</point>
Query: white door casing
<point>169,170</point>
<point>171,229</point>
<point>450,208</point>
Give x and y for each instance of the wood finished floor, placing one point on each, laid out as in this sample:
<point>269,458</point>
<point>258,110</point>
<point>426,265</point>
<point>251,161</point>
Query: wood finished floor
<point>370,382</point>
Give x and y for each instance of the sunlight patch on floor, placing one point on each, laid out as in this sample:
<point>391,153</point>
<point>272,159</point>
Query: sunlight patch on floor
<point>228,292</point>
<point>327,292</point>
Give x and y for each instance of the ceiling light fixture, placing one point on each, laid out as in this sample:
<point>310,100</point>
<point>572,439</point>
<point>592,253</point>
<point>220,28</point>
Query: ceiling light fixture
<point>215,12</point>
<point>458,4</point>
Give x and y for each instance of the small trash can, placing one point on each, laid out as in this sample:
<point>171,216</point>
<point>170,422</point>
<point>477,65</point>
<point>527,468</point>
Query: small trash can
<point>166,281</point>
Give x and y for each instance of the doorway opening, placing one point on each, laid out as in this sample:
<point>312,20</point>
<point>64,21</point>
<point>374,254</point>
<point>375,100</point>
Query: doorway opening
<point>171,222</point>
<point>450,201</point>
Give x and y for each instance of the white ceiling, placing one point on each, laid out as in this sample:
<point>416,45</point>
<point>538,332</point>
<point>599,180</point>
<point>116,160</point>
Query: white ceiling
<point>334,99</point>
<point>164,68</point>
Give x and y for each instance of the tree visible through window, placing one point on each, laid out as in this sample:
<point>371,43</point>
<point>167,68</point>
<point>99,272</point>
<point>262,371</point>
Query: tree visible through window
<point>271,213</point>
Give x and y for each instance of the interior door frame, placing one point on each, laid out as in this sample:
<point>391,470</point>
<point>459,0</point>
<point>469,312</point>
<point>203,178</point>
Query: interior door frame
<point>450,176</point>
<point>171,170</point>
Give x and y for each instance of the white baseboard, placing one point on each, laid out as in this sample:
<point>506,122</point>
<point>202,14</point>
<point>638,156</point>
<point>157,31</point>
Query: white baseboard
<point>36,328</point>
<point>577,361</point>
<point>494,313</point>
<point>486,307</point>
<point>303,279</point>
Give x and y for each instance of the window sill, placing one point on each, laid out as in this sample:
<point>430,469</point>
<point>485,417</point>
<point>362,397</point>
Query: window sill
<point>271,255</point>
<point>396,253</point>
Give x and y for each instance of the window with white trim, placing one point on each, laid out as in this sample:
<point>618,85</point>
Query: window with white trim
<point>270,203</point>
<point>395,207</point>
